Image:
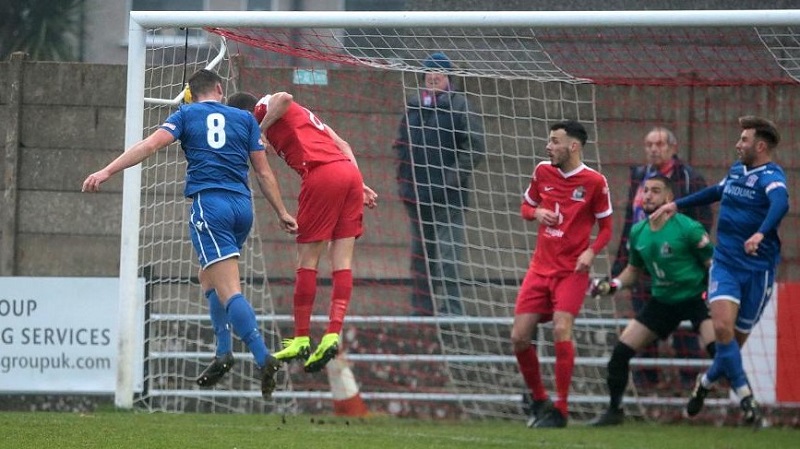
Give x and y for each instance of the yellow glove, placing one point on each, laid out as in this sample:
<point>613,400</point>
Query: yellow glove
<point>187,95</point>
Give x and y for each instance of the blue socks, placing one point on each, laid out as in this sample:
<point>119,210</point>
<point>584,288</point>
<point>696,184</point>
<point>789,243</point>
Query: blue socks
<point>219,321</point>
<point>734,368</point>
<point>243,319</point>
<point>717,369</point>
<point>728,363</point>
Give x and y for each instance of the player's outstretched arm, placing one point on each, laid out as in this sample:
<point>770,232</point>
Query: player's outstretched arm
<point>134,155</point>
<point>666,210</point>
<point>268,185</point>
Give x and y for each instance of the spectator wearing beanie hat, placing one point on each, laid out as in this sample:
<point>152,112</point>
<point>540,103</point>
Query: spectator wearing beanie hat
<point>439,143</point>
<point>438,60</point>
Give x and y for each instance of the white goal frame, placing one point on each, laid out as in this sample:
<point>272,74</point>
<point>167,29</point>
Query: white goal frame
<point>130,304</point>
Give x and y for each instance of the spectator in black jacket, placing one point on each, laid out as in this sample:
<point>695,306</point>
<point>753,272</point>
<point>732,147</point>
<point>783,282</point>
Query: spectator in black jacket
<point>439,143</point>
<point>661,148</point>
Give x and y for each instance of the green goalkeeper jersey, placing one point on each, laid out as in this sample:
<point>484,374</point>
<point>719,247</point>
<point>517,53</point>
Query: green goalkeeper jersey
<point>675,257</point>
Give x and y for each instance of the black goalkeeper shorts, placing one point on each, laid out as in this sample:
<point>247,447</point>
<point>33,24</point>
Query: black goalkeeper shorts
<point>663,318</point>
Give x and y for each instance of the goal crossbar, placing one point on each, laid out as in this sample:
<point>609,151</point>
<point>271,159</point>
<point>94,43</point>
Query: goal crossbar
<point>342,19</point>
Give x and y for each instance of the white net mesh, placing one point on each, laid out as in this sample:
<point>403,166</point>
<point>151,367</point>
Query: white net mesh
<point>784,45</point>
<point>179,338</point>
<point>516,95</point>
<point>518,82</point>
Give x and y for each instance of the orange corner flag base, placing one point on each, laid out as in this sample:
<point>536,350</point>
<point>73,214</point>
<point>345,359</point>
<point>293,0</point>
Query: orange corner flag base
<point>346,397</point>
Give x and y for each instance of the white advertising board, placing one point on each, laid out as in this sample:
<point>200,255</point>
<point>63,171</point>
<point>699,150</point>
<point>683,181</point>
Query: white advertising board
<point>59,335</point>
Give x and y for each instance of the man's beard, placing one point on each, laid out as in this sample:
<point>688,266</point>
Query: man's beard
<point>651,210</point>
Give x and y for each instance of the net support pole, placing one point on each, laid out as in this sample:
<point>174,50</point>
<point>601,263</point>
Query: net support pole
<point>130,302</point>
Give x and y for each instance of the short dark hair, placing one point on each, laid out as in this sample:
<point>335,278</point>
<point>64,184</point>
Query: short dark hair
<point>243,100</point>
<point>663,179</point>
<point>203,81</point>
<point>573,129</point>
<point>765,129</point>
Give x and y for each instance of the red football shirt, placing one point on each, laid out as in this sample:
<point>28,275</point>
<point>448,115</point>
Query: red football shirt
<point>300,138</point>
<point>580,198</point>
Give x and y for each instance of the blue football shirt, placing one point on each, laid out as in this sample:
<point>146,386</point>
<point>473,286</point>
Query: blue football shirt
<point>216,140</point>
<point>743,208</point>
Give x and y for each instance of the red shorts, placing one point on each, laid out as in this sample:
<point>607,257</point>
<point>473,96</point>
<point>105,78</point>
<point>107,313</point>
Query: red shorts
<point>331,203</point>
<point>547,294</point>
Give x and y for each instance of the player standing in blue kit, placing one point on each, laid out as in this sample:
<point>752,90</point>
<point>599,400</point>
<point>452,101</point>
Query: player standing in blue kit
<point>753,201</point>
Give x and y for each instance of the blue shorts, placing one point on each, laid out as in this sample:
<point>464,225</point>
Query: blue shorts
<point>750,289</point>
<point>219,223</point>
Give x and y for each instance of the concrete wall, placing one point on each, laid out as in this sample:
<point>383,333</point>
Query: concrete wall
<point>71,119</point>
<point>72,123</point>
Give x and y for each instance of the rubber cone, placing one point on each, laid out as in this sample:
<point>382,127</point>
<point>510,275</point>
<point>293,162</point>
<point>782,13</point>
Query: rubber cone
<point>346,397</point>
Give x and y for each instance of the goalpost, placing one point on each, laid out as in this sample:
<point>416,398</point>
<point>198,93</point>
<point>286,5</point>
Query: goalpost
<point>521,72</point>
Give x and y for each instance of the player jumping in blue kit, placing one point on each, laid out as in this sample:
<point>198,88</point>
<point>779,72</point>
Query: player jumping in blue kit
<point>219,142</point>
<point>754,199</point>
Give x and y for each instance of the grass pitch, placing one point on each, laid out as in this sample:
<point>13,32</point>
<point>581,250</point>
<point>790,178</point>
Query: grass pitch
<point>123,430</point>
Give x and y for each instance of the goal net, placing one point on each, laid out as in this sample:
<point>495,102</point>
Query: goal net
<point>357,77</point>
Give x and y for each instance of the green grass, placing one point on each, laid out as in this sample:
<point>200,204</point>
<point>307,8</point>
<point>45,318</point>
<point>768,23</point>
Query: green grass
<point>122,430</point>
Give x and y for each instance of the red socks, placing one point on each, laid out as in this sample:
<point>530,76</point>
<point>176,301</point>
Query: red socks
<point>565,362</point>
<point>528,363</point>
<point>305,289</point>
<point>340,299</point>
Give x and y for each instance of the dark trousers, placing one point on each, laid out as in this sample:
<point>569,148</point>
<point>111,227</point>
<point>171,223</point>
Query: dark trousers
<point>437,242</point>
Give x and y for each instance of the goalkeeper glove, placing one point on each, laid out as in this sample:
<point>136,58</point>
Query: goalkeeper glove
<point>187,95</point>
<point>604,287</point>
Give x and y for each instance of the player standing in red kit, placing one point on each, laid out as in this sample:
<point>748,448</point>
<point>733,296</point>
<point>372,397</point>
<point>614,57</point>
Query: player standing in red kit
<point>330,210</point>
<point>566,197</point>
